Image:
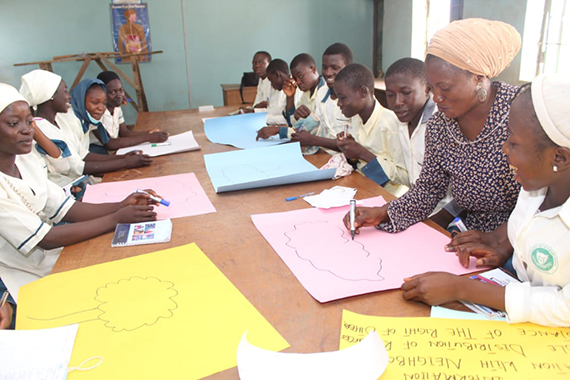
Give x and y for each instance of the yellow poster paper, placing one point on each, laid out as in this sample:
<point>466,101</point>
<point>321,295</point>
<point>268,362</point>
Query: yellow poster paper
<point>451,349</point>
<point>166,315</point>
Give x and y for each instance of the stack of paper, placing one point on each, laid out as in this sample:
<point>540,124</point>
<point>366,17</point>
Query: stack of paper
<point>269,166</point>
<point>184,142</point>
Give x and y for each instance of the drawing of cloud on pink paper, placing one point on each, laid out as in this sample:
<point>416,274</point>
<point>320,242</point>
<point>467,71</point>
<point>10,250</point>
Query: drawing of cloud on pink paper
<point>346,259</point>
<point>183,191</point>
<point>317,248</point>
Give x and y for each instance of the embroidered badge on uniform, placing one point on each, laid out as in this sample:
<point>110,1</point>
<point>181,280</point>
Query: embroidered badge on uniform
<point>544,259</point>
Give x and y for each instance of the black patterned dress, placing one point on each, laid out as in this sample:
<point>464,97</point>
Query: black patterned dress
<point>481,181</point>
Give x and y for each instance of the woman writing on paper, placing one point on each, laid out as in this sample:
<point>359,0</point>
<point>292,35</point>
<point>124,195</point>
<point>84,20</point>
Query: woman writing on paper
<point>30,204</point>
<point>464,138</point>
<point>538,149</point>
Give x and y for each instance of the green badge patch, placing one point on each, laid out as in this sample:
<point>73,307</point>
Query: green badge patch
<point>544,259</point>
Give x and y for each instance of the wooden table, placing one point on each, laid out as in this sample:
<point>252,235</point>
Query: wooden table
<point>232,96</point>
<point>229,238</point>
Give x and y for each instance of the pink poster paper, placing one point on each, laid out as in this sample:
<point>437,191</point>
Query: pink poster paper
<point>318,249</point>
<point>183,191</point>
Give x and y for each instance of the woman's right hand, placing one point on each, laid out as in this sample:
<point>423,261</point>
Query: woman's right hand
<point>135,214</point>
<point>367,217</point>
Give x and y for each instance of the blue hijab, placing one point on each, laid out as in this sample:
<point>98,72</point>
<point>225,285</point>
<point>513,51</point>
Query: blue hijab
<point>78,105</point>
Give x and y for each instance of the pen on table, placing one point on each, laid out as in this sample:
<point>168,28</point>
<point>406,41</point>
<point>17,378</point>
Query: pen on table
<point>459,223</point>
<point>352,217</point>
<point>299,196</point>
<point>4,298</point>
<point>161,144</point>
<point>162,201</point>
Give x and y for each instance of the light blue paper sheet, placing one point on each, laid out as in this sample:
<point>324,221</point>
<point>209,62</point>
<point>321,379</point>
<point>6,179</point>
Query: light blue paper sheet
<point>263,167</point>
<point>239,131</point>
<point>445,313</point>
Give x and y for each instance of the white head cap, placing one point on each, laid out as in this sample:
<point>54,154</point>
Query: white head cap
<point>9,95</point>
<point>551,100</point>
<point>38,86</point>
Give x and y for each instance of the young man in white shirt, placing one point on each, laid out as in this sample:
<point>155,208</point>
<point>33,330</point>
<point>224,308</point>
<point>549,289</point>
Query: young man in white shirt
<point>408,97</point>
<point>331,119</point>
<point>374,145</point>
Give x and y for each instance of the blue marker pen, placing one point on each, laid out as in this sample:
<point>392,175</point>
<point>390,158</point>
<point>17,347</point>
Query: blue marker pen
<point>459,223</point>
<point>162,201</point>
<point>299,196</point>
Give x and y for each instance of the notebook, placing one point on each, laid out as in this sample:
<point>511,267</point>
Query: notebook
<point>142,233</point>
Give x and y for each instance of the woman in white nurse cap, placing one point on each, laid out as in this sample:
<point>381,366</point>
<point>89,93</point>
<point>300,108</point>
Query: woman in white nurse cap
<point>538,150</point>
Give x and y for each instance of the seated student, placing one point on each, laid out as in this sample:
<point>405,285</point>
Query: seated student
<point>374,144</point>
<point>31,204</point>
<point>301,104</point>
<point>278,75</point>
<point>408,97</point>
<point>48,92</point>
<point>119,135</point>
<point>331,119</point>
<point>538,150</point>
<point>261,60</point>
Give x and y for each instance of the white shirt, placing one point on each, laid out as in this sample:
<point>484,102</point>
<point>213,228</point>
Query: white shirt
<point>379,135</point>
<point>111,123</point>
<point>277,104</point>
<point>330,115</point>
<point>541,242</point>
<point>263,92</point>
<point>63,170</point>
<point>413,149</point>
<point>28,208</point>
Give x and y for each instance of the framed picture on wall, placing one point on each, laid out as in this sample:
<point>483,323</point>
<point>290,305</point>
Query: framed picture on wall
<point>131,30</point>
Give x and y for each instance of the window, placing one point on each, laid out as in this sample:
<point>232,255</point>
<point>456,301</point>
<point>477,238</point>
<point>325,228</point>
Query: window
<point>427,17</point>
<point>546,38</point>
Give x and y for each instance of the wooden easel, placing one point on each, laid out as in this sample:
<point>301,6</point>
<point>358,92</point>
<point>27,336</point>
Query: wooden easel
<point>103,60</point>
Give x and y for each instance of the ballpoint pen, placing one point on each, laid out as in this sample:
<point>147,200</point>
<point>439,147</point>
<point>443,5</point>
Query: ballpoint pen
<point>299,196</point>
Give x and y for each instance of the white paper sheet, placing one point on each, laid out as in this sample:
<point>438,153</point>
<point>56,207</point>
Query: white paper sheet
<point>366,360</point>
<point>336,196</point>
<point>445,313</point>
<point>36,354</point>
<point>182,142</point>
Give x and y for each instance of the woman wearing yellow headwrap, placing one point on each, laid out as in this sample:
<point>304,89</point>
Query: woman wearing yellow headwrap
<point>464,138</point>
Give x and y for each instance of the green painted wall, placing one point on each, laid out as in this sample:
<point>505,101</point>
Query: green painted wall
<point>222,36</point>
